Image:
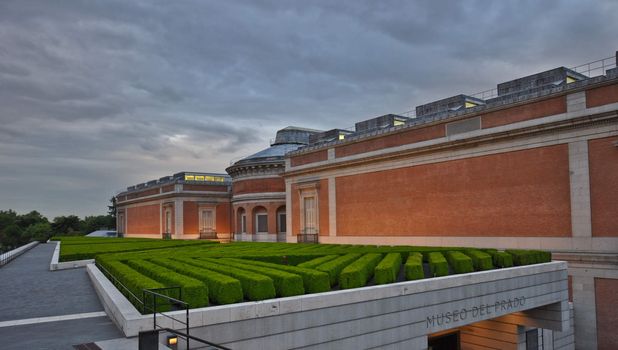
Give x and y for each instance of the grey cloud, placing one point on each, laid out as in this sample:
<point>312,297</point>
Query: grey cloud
<point>98,95</point>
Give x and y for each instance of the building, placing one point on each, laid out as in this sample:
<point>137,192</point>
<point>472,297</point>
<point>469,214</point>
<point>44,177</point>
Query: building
<point>534,165</point>
<point>187,205</point>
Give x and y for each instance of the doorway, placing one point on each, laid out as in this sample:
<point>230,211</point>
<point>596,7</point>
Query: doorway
<point>444,341</point>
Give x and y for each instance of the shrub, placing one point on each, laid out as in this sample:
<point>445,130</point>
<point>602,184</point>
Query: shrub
<point>314,281</point>
<point>527,257</point>
<point>500,259</point>
<point>334,267</point>
<point>312,264</point>
<point>481,260</point>
<point>194,292</point>
<point>254,286</point>
<point>286,284</point>
<point>222,289</point>
<point>360,271</point>
<point>388,269</point>
<point>414,267</point>
<point>459,261</point>
<point>437,264</point>
<point>133,280</point>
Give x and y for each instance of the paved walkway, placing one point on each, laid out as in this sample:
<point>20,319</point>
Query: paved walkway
<point>41,309</point>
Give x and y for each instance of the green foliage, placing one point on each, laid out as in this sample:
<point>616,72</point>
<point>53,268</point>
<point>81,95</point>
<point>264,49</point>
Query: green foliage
<point>255,286</point>
<point>17,230</point>
<point>133,280</point>
<point>482,261</point>
<point>437,264</point>
<point>388,269</point>
<point>194,292</point>
<point>67,225</point>
<point>414,267</point>
<point>312,264</point>
<point>286,284</point>
<point>500,259</point>
<point>80,249</point>
<point>334,267</point>
<point>222,289</point>
<point>314,281</point>
<point>527,257</point>
<point>460,262</point>
<point>359,272</point>
<point>99,222</point>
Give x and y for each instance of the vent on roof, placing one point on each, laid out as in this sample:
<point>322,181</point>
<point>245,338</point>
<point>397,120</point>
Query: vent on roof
<point>453,103</point>
<point>330,135</point>
<point>380,122</point>
<point>552,77</point>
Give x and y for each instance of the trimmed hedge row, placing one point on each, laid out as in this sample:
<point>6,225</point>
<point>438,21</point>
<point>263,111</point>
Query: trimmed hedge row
<point>481,260</point>
<point>314,281</point>
<point>388,269</point>
<point>334,267</point>
<point>437,264</point>
<point>254,286</point>
<point>527,257</point>
<point>414,267</point>
<point>312,264</point>
<point>132,279</point>
<point>459,261</point>
<point>358,273</point>
<point>222,289</point>
<point>286,284</point>
<point>194,292</point>
<point>500,259</point>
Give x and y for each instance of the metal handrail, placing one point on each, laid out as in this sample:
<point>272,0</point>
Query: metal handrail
<point>177,302</point>
<point>117,283</point>
<point>10,255</point>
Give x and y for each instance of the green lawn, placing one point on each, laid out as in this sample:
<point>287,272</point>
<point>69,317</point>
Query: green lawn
<point>210,273</point>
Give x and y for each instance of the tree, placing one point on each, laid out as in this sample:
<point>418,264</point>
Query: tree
<point>11,236</point>
<point>41,232</point>
<point>94,223</point>
<point>66,225</point>
<point>32,218</point>
<point>111,211</point>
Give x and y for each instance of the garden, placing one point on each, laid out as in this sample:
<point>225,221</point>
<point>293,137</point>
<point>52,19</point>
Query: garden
<point>210,273</point>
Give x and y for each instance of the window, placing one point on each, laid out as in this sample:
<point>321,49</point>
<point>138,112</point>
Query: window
<point>207,220</point>
<point>261,223</point>
<point>243,223</point>
<point>168,221</point>
<point>310,218</point>
<point>281,222</point>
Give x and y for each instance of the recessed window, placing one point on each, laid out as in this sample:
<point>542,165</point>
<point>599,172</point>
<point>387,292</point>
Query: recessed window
<point>261,221</point>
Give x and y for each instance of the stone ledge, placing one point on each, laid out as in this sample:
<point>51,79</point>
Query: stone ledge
<point>130,321</point>
<point>55,265</point>
<point>18,251</point>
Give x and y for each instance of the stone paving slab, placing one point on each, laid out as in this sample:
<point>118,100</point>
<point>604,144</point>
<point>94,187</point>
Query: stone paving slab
<point>28,289</point>
<point>58,335</point>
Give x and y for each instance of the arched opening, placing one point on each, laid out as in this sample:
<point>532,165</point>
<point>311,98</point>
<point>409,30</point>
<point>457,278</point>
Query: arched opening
<point>241,221</point>
<point>260,217</point>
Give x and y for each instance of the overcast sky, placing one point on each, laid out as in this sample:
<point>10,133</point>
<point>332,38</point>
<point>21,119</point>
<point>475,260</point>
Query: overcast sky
<point>99,95</point>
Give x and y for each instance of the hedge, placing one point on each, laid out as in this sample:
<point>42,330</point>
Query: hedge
<point>334,267</point>
<point>414,267</point>
<point>286,284</point>
<point>222,289</point>
<point>194,292</point>
<point>312,264</point>
<point>481,260</point>
<point>527,257</point>
<point>254,286</point>
<point>437,264</point>
<point>132,279</point>
<point>314,281</point>
<point>359,272</point>
<point>459,261</point>
<point>388,269</point>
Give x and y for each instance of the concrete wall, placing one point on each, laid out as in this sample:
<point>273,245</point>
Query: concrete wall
<point>399,315</point>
